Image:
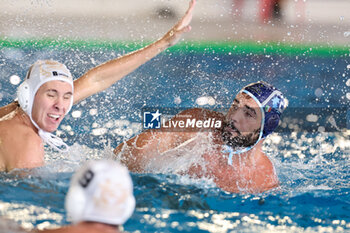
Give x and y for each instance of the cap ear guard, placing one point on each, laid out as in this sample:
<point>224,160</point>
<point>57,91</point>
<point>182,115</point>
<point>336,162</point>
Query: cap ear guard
<point>75,203</point>
<point>76,198</point>
<point>271,102</point>
<point>23,95</point>
<point>101,191</point>
<point>271,122</point>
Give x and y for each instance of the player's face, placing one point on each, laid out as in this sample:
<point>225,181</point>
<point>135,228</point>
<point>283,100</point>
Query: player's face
<point>242,123</point>
<point>51,102</point>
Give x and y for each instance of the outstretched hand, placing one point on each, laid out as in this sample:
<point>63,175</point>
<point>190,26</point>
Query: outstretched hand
<point>182,26</point>
<point>108,73</point>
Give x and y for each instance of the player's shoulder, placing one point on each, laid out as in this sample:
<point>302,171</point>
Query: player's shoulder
<point>19,134</point>
<point>263,160</point>
<point>21,147</point>
<point>265,165</point>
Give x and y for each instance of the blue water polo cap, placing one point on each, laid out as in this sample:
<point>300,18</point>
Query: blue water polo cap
<point>271,102</point>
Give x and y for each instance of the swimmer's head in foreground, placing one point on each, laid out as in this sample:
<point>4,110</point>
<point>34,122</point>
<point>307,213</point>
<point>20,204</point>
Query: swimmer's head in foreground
<point>101,191</point>
<point>46,95</point>
<point>254,114</point>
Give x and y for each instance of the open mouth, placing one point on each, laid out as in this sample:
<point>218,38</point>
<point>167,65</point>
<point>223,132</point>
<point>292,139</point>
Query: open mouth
<point>54,116</point>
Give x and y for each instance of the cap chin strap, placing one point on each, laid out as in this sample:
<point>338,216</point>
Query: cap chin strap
<point>229,149</point>
<point>51,139</point>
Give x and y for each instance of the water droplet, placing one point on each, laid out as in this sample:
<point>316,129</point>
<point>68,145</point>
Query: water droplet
<point>211,101</point>
<point>15,79</point>
<point>205,100</point>
<point>312,118</point>
<point>348,83</point>
<point>93,111</point>
<point>318,92</point>
<point>348,96</point>
<point>99,131</point>
<point>177,100</point>
<point>76,114</point>
<point>202,100</point>
<point>321,129</point>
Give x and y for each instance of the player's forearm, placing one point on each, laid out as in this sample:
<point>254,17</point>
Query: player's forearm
<point>135,152</point>
<point>129,156</point>
<point>106,74</point>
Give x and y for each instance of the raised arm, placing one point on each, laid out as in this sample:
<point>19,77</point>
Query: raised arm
<point>103,76</point>
<point>146,146</point>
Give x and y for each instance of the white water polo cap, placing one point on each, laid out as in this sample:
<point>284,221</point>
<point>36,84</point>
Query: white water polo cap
<point>101,191</point>
<point>40,73</point>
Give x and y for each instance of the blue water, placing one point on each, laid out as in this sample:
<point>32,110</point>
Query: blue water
<point>311,158</point>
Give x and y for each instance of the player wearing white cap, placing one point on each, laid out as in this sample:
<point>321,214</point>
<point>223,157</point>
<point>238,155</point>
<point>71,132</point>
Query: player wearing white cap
<point>48,92</point>
<point>100,199</point>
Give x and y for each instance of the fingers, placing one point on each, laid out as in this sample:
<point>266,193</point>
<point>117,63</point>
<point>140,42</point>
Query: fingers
<point>190,8</point>
<point>186,29</point>
<point>181,27</point>
<point>192,4</point>
<point>187,18</point>
<point>181,31</point>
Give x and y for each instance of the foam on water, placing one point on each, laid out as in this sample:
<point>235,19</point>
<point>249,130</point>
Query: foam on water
<point>9,226</point>
<point>169,202</point>
<point>311,162</point>
<point>179,159</point>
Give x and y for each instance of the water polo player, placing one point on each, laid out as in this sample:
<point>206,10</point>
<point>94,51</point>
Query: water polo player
<point>48,93</point>
<point>100,199</point>
<point>232,155</point>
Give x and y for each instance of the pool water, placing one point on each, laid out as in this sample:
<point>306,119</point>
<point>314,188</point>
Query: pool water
<point>310,150</point>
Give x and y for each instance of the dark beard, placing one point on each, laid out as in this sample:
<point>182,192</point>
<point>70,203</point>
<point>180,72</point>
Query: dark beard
<point>240,141</point>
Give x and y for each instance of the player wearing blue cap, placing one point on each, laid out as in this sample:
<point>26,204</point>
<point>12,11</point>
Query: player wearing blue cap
<point>271,104</point>
<point>233,155</point>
